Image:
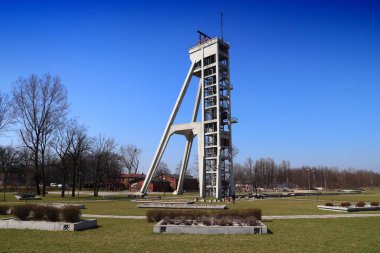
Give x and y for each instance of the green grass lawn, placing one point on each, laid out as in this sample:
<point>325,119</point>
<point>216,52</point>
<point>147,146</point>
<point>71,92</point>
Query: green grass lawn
<point>113,235</point>
<point>272,206</point>
<point>120,235</point>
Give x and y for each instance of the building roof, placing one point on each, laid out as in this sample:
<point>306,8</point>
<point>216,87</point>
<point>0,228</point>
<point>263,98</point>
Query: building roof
<point>154,180</point>
<point>124,175</point>
<point>176,176</point>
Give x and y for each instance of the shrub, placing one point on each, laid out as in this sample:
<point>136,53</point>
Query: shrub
<point>38,211</point>
<point>157,215</point>
<point>360,204</point>
<point>154,215</point>
<point>22,211</point>
<point>221,221</point>
<point>329,204</point>
<point>374,203</point>
<point>345,204</point>
<point>71,213</point>
<point>251,221</point>
<point>4,209</point>
<point>52,213</point>
<point>206,221</point>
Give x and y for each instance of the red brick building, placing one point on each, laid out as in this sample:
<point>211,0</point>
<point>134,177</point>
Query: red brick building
<point>189,184</point>
<point>125,179</point>
<point>156,185</point>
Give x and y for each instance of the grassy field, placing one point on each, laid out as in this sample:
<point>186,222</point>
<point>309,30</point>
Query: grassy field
<point>120,235</point>
<point>322,235</point>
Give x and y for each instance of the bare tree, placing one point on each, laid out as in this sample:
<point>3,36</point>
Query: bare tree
<point>101,155</point>
<point>235,151</point>
<point>187,172</point>
<point>40,105</point>
<point>79,145</point>
<point>61,144</point>
<point>249,165</point>
<point>26,161</point>
<point>130,158</point>
<point>162,169</point>
<point>6,117</point>
<point>8,160</point>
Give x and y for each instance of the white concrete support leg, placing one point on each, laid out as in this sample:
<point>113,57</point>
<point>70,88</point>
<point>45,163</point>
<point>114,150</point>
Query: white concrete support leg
<point>165,136</point>
<point>189,143</point>
<point>185,162</point>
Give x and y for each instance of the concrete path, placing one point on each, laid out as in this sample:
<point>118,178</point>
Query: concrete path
<point>318,216</point>
<point>274,217</point>
<point>113,216</point>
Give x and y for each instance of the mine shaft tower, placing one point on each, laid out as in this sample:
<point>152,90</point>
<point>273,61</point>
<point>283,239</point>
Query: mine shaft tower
<point>210,63</point>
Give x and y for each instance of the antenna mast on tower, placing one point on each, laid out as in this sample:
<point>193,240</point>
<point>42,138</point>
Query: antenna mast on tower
<point>221,25</point>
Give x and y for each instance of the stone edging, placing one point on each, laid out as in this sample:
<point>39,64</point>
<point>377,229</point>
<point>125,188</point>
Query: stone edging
<point>182,206</point>
<point>11,223</point>
<point>201,229</point>
<point>349,209</point>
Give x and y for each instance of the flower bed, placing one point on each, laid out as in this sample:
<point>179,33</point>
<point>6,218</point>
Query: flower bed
<point>46,217</point>
<point>181,206</point>
<point>12,223</point>
<point>27,196</point>
<point>259,228</point>
<point>207,222</point>
<point>349,207</point>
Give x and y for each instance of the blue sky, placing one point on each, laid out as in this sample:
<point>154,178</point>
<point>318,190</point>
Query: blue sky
<point>306,73</point>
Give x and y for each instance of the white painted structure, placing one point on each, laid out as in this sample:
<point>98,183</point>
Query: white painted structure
<point>261,228</point>
<point>210,63</point>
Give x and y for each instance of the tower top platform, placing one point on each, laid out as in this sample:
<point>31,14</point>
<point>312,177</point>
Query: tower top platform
<point>207,42</point>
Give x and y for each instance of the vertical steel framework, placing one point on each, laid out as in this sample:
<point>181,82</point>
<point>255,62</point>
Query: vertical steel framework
<point>210,63</point>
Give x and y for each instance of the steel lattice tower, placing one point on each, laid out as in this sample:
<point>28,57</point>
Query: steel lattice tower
<point>209,63</point>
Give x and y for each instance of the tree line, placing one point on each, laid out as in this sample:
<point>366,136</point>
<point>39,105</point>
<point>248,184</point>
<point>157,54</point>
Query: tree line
<point>55,147</point>
<point>266,173</point>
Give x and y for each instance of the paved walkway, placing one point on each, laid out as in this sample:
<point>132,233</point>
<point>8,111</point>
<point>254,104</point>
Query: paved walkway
<point>318,216</point>
<point>113,216</point>
<point>274,217</point>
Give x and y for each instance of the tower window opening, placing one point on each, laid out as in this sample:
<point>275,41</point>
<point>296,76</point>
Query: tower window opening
<point>210,71</point>
<point>198,65</point>
<point>209,91</point>
<point>210,80</point>
<point>211,127</point>
<point>210,114</point>
<point>210,101</point>
<point>209,60</point>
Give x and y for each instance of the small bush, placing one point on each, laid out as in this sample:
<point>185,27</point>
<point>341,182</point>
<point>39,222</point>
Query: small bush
<point>22,211</point>
<point>360,204</point>
<point>221,221</point>
<point>345,204</point>
<point>205,217</point>
<point>71,214</point>
<point>251,221</point>
<point>206,221</point>
<point>329,204</point>
<point>4,209</point>
<point>374,203</point>
<point>38,212</point>
<point>154,215</point>
<point>52,213</point>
